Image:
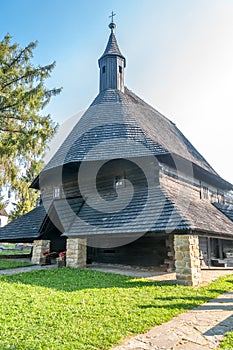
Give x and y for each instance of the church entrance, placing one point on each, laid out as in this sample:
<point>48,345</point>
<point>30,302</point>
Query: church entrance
<point>54,235</point>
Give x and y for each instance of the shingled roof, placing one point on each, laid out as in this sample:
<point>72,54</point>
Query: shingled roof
<point>63,210</point>
<point>226,209</point>
<point>25,228</point>
<point>138,217</point>
<point>201,215</point>
<point>112,47</point>
<point>115,116</point>
<point>170,209</point>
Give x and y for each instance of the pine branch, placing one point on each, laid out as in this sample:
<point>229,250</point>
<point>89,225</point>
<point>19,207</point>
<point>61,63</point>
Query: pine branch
<point>30,47</point>
<point>23,131</point>
<point>3,108</point>
<point>12,130</point>
<point>33,73</point>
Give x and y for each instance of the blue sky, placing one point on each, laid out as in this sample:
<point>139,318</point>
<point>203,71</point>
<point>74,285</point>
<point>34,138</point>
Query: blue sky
<point>179,59</point>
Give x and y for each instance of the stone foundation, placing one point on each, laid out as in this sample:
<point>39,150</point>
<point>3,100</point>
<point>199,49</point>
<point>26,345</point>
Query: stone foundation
<point>39,247</point>
<point>76,252</point>
<point>187,260</point>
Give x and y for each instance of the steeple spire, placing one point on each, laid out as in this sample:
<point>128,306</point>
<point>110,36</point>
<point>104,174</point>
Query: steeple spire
<point>112,63</point>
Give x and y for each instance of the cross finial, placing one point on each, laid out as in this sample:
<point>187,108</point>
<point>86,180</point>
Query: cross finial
<point>111,16</point>
<point>112,24</point>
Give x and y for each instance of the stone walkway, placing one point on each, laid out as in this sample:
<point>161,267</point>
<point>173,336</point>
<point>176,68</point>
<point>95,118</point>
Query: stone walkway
<point>26,269</point>
<point>200,328</point>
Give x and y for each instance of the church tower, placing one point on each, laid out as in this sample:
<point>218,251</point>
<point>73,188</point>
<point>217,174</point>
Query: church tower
<point>112,64</point>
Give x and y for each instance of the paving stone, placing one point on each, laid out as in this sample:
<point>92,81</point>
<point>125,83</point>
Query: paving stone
<point>189,346</point>
<point>26,269</point>
<point>200,328</point>
<point>192,335</point>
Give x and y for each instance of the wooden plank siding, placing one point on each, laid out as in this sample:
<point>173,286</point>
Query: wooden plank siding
<point>146,251</point>
<point>105,179</point>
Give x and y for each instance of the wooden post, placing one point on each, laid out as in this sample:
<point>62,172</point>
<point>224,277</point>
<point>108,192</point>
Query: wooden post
<point>220,249</point>
<point>209,251</point>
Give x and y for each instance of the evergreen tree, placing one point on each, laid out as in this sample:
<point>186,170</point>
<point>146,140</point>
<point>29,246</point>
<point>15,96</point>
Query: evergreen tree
<point>24,130</point>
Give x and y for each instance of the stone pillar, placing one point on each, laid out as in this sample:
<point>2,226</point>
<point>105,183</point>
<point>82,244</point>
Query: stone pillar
<point>187,260</point>
<point>39,247</point>
<point>76,252</point>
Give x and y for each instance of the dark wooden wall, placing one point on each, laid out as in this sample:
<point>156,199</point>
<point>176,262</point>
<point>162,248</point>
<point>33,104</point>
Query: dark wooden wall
<point>146,251</point>
<point>216,248</point>
<point>105,179</point>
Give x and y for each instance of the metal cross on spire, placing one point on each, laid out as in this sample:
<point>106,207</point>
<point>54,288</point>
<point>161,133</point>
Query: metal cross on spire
<point>111,16</point>
<point>112,24</point>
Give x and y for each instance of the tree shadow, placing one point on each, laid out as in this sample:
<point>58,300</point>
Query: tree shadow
<point>221,328</point>
<point>191,302</point>
<point>70,280</point>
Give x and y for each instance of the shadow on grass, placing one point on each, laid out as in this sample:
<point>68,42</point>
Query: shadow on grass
<point>216,304</point>
<point>70,280</point>
<point>190,303</point>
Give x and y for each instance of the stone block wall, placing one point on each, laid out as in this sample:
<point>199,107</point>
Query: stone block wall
<point>187,260</point>
<point>76,252</point>
<point>39,246</point>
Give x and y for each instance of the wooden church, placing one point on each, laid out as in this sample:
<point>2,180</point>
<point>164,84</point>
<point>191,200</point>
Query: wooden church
<point>127,187</point>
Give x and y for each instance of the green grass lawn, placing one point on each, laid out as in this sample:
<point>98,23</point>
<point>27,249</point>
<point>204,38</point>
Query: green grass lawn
<point>227,343</point>
<point>15,252</point>
<point>67,309</point>
<point>11,264</point>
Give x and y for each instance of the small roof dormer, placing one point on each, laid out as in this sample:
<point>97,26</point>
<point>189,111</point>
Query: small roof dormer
<point>112,64</point>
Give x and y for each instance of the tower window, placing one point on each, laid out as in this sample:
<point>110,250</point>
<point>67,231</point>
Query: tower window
<point>120,69</point>
<point>103,69</point>
<point>9,194</point>
<point>119,181</point>
<point>204,192</point>
<point>56,192</point>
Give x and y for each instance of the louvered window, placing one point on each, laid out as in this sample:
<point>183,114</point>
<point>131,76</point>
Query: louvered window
<point>56,192</point>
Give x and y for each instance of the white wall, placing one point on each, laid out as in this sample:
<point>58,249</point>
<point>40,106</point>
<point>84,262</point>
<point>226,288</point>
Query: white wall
<point>3,220</point>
